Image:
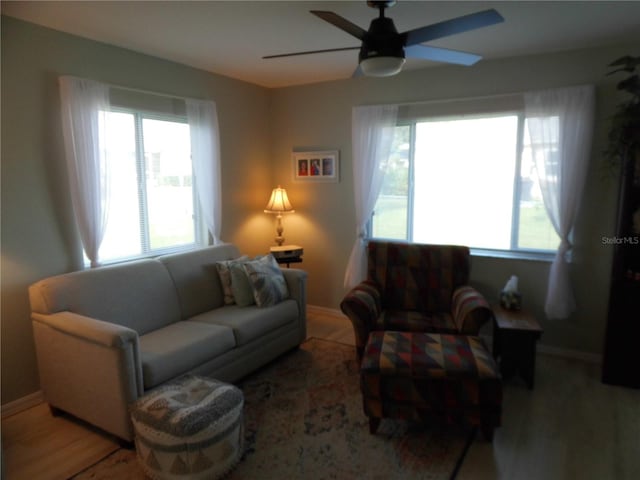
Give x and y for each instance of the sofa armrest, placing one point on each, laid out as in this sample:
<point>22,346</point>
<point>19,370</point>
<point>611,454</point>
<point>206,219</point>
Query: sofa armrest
<point>297,284</point>
<point>89,329</point>
<point>362,304</point>
<point>470,310</point>
<point>89,368</point>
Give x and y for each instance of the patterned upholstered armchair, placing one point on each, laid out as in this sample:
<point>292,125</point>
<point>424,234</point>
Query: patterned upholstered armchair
<point>414,287</point>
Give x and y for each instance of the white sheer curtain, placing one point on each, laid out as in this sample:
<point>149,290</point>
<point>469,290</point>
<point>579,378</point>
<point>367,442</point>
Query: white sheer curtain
<point>560,124</point>
<point>372,134</point>
<point>205,155</point>
<point>84,106</point>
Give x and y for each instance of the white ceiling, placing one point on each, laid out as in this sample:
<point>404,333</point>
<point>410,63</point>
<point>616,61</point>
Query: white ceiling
<point>230,37</point>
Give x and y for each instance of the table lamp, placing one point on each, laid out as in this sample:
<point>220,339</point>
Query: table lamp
<point>279,204</point>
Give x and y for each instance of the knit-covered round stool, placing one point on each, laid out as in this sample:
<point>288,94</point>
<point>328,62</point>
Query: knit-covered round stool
<point>191,428</point>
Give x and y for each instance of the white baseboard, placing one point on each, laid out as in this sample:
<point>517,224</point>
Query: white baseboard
<point>333,312</point>
<point>570,354</point>
<point>23,403</point>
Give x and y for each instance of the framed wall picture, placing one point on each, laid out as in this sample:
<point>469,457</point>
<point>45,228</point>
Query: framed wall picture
<point>323,166</point>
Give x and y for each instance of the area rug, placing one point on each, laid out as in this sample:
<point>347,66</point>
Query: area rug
<point>304,419</point>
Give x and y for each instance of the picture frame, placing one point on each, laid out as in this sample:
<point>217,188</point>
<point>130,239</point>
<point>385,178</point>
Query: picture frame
<point>316,166</point>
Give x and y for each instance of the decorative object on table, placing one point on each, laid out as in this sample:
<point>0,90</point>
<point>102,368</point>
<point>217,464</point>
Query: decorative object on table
<point>192,428</point>
<point>320,166</point>
<point>510,297</point>
<point>279,204</point>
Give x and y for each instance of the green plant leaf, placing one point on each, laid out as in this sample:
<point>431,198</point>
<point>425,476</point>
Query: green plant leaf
<point>630,84</point>
<point>628,61</point>
<point>624,131</point>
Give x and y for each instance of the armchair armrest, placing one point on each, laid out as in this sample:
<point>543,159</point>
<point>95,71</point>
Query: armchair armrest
<point>362,304</point>
<point>470,310</point>
<point>89,368</point>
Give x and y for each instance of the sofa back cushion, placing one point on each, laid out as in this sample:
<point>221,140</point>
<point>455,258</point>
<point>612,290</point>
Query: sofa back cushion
<point>196,278</point>
<point>139,295</point>
<point>417,276</point>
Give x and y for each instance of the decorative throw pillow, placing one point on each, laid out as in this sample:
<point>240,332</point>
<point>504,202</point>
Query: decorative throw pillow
<point>224,272</point>
<point>240,285</point>
<point>267,281</point>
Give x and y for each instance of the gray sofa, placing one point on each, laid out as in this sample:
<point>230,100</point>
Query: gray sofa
<point>105,336</point>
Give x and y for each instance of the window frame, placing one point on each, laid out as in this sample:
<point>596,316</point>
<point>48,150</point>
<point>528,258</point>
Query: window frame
<point>515,252</point>
<point>199,229</point>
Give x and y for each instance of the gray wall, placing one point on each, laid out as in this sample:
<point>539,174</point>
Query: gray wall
<point>319,116</point>
<point>39,238</point>
<point>259,129</point>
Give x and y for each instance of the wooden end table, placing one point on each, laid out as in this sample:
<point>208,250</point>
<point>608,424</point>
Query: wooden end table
<point>288,261</point>
<point>515,333</point>
<point>287,254</point>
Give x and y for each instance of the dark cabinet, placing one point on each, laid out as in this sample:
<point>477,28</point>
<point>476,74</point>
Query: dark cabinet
<point>622,341</point>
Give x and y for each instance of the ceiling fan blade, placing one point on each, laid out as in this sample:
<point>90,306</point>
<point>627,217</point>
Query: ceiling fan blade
<point>311,52</point>
<point>341,22</point>
<point>438,54</point>
<point>451,27</point>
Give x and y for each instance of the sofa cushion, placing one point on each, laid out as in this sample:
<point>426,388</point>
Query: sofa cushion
<point>224,270</point>
<point>180,347</point>
<point>250,323</point>
<point>196,278</point>
<point>240,285</point>
<point>267,282</point>
<point>139,295</point>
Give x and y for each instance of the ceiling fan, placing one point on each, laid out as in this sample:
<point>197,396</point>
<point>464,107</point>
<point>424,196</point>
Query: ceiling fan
<point>383,49</point>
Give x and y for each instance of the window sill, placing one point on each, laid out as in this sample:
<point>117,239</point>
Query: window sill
<point>514,255</point>
<point>154,254</point>
<point>529,255</point>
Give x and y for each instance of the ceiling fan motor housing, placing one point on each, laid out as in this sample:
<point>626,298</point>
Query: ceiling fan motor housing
<point>382,51</point>
<point>382,40</point>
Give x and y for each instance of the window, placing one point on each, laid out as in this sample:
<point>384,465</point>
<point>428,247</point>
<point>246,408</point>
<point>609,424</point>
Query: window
<point>466,179</point>
<point>152,202</point>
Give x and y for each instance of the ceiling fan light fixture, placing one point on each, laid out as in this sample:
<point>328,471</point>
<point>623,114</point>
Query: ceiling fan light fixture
<point>381,66</point>
<point>383,49</point>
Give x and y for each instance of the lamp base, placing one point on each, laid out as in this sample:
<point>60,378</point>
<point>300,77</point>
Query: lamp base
<point>279,239</point>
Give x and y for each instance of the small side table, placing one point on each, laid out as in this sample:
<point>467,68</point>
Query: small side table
<point>288,261</point>
<point>515,333</point>
<point>287,254</point>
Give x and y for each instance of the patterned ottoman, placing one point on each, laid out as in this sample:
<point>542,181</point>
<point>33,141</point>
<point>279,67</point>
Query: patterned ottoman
<point>420,376</point>
<point>191,428</point>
